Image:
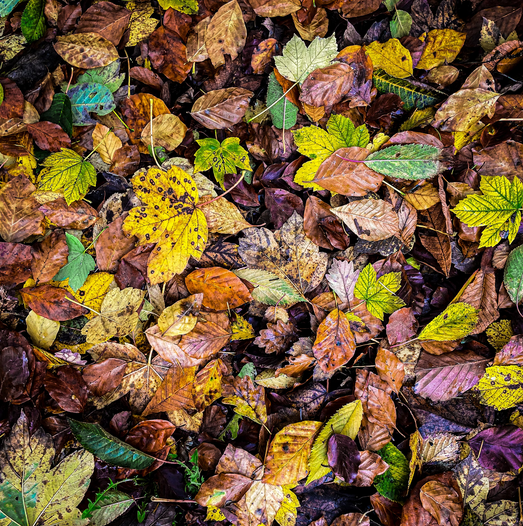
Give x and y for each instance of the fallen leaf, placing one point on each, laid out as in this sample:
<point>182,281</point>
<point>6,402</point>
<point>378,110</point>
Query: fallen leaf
<point>86,50</point>
<point>52,302</point>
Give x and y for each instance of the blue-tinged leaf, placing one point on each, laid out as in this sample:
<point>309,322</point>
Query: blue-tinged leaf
<point>60,113</point>
<point>107,447</point>
<point>6,6</point>
<point>89,97</point>
<point>108,76</point>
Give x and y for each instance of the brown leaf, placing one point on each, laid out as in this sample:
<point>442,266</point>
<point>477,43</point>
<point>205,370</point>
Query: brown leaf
<point>371,465</point>
<point>13,103</point>
<point>322,226</point>
<point>271,8</point>
<point>442,502</point>
<point>381,408</point>
<point>248,400</point>
<point>262,55</point>
<point>359,8</point>
<point>168,55</point>
<point>390,368</point>
<point>223,217</point>
<point>327,86</point>
<point>126,160</point>
<point>105,18</point>
<point>52,303</point>
<point>146,76</point>
<point>196,50</point>
<point>175,392</point>
<point>226,33</point>
<point>345,177</point>
<point>334,345</point>
<point>15,263</point>
<point>104,376</point>
<point>221,108</point>
<point>19,213</point>
<point>105,142</point>
<point>16,362</point>
<point>388,512</point>
<point>67,388</point>
<point>437,243</point>
<point>78,215</point>
<point>150,436</point>
<point>318,26</point>
<point>236,460</point>
<point>351,519</point>
<point>369,219</point>
<point>112,245</point>
<point>505,158</point>
<point>402,326</point>
<point>168,131</point>
<point>228,487</point>
<point>277,337</point>
<point>49,136</point>
<point>221,288</point>
<point>86,50</point>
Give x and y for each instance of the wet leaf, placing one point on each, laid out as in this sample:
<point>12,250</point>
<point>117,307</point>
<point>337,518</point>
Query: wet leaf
<point>86,50</point>
<point>79,264</point>
<point>391,57</point>
<point>455,322</point>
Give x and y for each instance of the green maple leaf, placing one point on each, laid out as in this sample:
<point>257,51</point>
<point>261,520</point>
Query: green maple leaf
<point>223,158</point>
<point>79,264</point>
<point>378,294</point>
<point>499,209</point>
<point>298,60</point>
<point>318,144</point>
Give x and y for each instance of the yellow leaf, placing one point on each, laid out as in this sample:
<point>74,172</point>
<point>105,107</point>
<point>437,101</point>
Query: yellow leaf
<point>501,386</point>
<point>442,46</point>
<point>93,291</point>
<point>346,421</point>
<point>455,322</point>
<point>263,502</point>
<point>391,57</point>
<point>170,218</point>
<point>180,318</point>
<point>214,514</point>
<point>248,401</point>
<point>241,329</point>
<point>105,142</point>
<point>288,511</point>
<point>141,25</point>
<point>416,445</point>
<point>41,330</point>
<point>168,131</point>
<point>223,217</point>
<point>499,333</point>
<point>118,316</point>
<point>286,461</point>
<point>268,379</point>
<point>208,384</point>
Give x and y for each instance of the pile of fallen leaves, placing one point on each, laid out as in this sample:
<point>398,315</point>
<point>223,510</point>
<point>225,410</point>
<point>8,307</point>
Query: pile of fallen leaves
<point>261,262</point>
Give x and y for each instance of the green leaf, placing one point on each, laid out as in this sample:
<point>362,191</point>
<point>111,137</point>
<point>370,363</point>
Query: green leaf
<point>393,483</point>
<point>107,447</point>
<point>113,504</point>
<point>412,96</point>
<point>79,264</point>
<point>298,60</point>
<point>406,161</point>
<point>1,94</point>
<point>400,24</point>
<point>222,158</point>
<point>60,113</point>
<point>269,288</point>
<point>454,323</point>
<point>189,7</point>
<point>318,144</point>
<point>6,6</point>
<point>378,294</point>
<point>33,20</point>
<point>33,490</point>
<point>283,109</point>
<point>89,97</point>
<point>513,276</point>
<point>389,4</point>
<point>248,369</point>
<point>346,421</point>
<point>499,209</point>
<point>108,76</point>
<point>67,171</point>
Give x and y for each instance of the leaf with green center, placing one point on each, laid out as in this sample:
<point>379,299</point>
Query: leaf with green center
<point>406,161</point>
<point>33,20</point>
<point>107,447</point>
<point>89,97</point>
<point>269,288</point>
<point>393,483</point>
<point>318,144</point>
<point>113,504</point>
<point>284,113</point>
<point>223,158</point>
<point>454,323</point>
<point>67,171</point>
<point>378,294</point>
<point>412,96</point>
<point>400,24</point>
<point>346,421</point>
<point>298,60</point>
<point>32,491</point>
<point>108,76</point>
<point>60,113</point>
<point>79,264</point>
<point>513,276</point>
<point>499,209</point>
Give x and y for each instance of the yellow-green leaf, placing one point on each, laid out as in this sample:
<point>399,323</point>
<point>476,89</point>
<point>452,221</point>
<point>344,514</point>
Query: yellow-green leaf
<point>68,172</point>
<point>391,57</point>
<point>501,386</point>
<point>442,46</point>
<point>189,7</point>
<point>346,421</point>
<point>454,323</point>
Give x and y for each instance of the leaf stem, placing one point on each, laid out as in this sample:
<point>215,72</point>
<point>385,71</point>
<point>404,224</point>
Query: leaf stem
<point>393,187</point>
<point>100,143</point>
<point>152,143</point>
<point>200,205</point>
<point>274,103</point>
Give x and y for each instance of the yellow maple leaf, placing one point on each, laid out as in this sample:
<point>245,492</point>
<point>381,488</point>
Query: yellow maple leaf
<point>169,218</point>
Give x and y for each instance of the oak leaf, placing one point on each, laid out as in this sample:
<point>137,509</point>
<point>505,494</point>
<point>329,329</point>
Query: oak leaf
<point>170,218</point>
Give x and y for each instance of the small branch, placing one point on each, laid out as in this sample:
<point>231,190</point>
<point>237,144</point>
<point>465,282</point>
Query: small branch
<point>200,205</point>
<point>174,501</point>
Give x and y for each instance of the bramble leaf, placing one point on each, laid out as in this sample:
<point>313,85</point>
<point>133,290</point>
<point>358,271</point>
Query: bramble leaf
<point>79,264</point>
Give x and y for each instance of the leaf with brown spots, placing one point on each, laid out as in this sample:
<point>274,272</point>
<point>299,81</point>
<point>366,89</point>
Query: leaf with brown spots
<point>105,18</point>
<point>248,400</point>
<point>170,219</point>
<point>86,50</point>
<point>208,384</point>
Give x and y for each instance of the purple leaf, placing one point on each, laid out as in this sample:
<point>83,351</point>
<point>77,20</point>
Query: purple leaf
<point>501,448</point>
<point>343,457</point>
